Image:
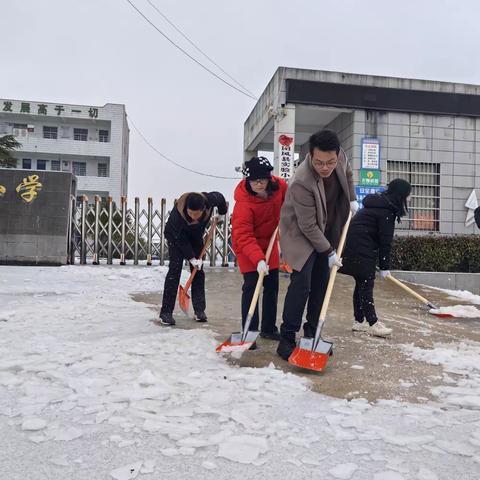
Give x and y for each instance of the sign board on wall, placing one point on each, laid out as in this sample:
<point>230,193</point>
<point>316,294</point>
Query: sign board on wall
<point>362,191</point>
<point>286,148</point>
<point>370,154</point>
<point>370,177</point>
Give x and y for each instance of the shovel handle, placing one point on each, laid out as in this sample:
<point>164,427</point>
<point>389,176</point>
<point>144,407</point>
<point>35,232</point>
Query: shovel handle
<point>202,253</point>
<point>258,287</point>
<point>333,271</point>
<point>410,291</point>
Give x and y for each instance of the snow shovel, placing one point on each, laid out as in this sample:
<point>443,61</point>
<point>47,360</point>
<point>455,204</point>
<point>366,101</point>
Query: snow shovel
<point>183,297</point>
<point>419,297</point>
<point>241,341</point>
<point>313,353</point>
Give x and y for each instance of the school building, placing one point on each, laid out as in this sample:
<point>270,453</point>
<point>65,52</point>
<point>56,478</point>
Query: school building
<point>89,141</point>
<point>426,132</point>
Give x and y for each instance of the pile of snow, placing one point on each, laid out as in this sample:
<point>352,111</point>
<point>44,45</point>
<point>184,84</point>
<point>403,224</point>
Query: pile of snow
<point>458,311</point>
<point>91,388</point>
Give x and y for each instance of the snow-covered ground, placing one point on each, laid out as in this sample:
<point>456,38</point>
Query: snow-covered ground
<point>90,389</point>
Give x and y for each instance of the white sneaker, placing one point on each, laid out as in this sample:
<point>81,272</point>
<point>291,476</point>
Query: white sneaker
<point>360,326</point>
<point>378,329</point>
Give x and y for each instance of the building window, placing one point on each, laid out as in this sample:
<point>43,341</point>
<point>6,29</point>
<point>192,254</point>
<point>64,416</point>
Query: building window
<point>102,170</point>
<point>79,169</point>
<point>50,132</point>
<point>103,135</point>
<point>55,165</point>
<point>27,163</point>
<point>65,166</point>
<point>424,205</point>
<point>80,134</point>
<point>20,129</point>
<point>41,164</point>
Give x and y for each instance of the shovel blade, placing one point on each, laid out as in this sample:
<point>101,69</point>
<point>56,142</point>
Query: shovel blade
<point>236,344</point>
<point>443,315</point>
<point>183,299</point>
<point>311,357</point>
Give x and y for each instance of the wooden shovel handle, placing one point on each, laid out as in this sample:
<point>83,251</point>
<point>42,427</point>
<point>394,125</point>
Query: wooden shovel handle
<point>409,290</point>
<point>333,271</point>
<point>258,287</point>
<point>202,253</point>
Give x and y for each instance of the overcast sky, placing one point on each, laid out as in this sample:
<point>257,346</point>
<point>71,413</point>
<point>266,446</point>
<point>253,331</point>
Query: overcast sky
<point>98,51</point>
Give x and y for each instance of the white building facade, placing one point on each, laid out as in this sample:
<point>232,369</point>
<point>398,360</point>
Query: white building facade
<point>92,142</point>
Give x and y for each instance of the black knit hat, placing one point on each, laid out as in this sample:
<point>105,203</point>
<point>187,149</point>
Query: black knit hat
<point>257,167</point>
<point>399,188</point>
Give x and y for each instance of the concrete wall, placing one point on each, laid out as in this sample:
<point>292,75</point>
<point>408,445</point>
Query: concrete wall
<point>35,232</point>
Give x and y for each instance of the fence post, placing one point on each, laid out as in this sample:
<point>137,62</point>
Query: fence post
<point>110,240</point>
<point>135,229</point>
<point>72,229</point>
<point>96,260</point>
<point>162,228</point>
<point>149,232</point>
<point>225,240</point>
<point>83,244</point>
<point>122,247</point>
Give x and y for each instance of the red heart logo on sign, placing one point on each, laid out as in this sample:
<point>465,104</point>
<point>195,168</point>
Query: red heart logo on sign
<point>285,140</point>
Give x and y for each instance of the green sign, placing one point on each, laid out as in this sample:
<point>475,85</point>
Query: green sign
<point>370,177</point>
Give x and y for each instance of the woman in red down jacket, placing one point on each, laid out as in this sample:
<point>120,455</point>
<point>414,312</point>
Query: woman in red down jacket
<point>258,199</point>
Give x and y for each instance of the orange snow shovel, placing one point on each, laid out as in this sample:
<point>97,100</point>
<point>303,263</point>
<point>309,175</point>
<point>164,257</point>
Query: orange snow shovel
<point>313,353</point>
<point>419,297</point>
<point>241,341</point>
<point>183,297</point>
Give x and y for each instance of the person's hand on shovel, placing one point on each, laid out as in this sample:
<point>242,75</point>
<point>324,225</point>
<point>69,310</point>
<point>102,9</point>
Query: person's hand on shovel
<point>196,263</point>
<point>384,273</point>
<point>262,267</point>
<point>334,259</point>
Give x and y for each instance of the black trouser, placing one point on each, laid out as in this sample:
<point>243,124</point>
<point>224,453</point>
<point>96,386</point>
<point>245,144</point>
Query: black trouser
<point>363,303</point>
<point>173,279</point>
<point>269,300</point>
<point>310,283</point>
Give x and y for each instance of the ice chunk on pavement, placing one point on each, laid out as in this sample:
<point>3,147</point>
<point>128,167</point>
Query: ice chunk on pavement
<point>388,475</point>
<point>66,434</point>
<point>243,448</point>
<point>60,461</point>
<point>148,466</point>
<point>209,465</point>
<point>343,471</point>
<point>357,367</point>
<point>34,424</point>
<point>147,378</point>
<point>426,474</point>
<point>127,472</point>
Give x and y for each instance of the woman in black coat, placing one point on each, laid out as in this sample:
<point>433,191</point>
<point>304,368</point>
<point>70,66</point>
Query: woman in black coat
<point>370,238</point>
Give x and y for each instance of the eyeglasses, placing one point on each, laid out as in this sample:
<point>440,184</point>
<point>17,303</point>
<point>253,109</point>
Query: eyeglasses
<point>258,181</point>
<point>330,164</point>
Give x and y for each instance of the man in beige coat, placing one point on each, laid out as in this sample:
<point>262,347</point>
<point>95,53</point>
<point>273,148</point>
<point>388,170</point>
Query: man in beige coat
<point>315,209</point>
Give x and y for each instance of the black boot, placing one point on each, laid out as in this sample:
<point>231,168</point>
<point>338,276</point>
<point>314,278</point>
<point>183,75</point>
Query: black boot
<point>275,335</point>
<point>309,330</point>
<point>167,319</point>
<point>285,348</point>
<point>200,317</point>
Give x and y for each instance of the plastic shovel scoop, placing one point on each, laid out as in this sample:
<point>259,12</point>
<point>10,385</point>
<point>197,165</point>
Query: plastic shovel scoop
<point>313,353</point>
<point>183,296</point>
<point>241,341</point>
<point>434,310</point>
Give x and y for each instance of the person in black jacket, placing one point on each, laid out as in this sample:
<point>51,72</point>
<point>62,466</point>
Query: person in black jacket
<point>476,214</point>
<point>184,233</point>
<point>370,238</point>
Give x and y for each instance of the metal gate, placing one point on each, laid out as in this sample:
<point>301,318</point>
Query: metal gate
<point>102,232</point>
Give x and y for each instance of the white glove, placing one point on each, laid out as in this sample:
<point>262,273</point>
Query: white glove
<point>354,206</point>
<point>196,263</point>
<point>384,273</point>
<point>262,267</point>
<point>333,259</point>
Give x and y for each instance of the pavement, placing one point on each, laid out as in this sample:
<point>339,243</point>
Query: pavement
<point>362,366</point>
